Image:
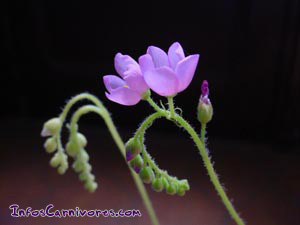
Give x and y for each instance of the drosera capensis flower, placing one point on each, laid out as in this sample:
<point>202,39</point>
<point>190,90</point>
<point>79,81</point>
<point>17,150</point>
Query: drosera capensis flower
<point>168,74</point>
<point>131,88</point>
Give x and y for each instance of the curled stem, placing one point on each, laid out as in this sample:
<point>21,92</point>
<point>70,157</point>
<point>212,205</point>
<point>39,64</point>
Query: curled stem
<point>200,143</point>
<point>101,110</point>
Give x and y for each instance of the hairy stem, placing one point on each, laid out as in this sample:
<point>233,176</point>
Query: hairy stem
<point>200,143</point>
<point>101,110</point>
<point>203,132</point>
<point>154,105</point>
<point>211,172</point>
<point>171,107</point>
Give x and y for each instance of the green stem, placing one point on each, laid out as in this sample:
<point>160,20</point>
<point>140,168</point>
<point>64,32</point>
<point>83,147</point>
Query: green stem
<point>147,123</point>
<point>154,105</point>
<point>203,132</point>
<point>101,110</point>
<point>211,172</point>
<point>171,107</point>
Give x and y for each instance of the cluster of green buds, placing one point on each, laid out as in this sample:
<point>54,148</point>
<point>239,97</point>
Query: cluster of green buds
<point>75,148</point>
<point>51,130</point>
<point>139,160</point>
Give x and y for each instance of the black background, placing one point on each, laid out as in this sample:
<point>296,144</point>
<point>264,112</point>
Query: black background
<point>249,54</point>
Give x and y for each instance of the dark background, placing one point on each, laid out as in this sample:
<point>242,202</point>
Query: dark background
<point>250,54</point>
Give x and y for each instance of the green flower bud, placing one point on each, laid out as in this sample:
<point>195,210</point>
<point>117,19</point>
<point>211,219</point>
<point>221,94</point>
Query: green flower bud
<point>133,148</point>
<point>137,163</point>
<point>184,184</point>
<point>205,109</point>
<point>62,169</point>
<point>72,149</point>
<point>165,182</point>
<point>87,167</point>
<point>81,139</point>
<point>78,166</point>
<point>91,186</point>
<point>147,175</point>
<point>50,145</point>
<point>84,156</point>
<point>157,184</point>
<point>51,127</point>
<point>172,188</point>
<point>205,112</point>
<point>180,191</point>
<point>84,176</point>
<point>56,160</point>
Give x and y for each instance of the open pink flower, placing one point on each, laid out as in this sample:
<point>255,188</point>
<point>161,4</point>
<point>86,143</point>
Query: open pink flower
<point>130,89</point>
<point>168,74</point>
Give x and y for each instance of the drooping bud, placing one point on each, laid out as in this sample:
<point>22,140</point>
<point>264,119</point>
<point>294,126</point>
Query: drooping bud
<point>91,186</point>
<point>205,109</point>
<point>147,174</point>
<point>157,184</point>
<point>180,191</point>
<point>81,140</point>
<point>84,176</point>
<point>59,160</point>
<point>172,188</point>
<point>56,160</point>
<point>133,148</point>
<point>51,127</point>
<point>184,184</point>
<point>72,148</point>
<point>50,145</point>
<point>137,163</point>
<point>78,166</point>
<point>165,182</point>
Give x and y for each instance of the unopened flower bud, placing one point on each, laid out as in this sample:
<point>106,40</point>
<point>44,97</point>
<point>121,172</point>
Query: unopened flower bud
<point>137,163</point>
<point>81,140</point>
<point>84,156</point>
<point>133,148</point>
<point>50,145</point>
<point>56,160</point>
<point>205,109</point>
<point>172,188</point>
<point>184,184</point>
<point>78,166</point>
<point>62,169</point>
<point>180,191</point>
<point>72,148</point>
<point>157,184</point>
<point>147,175</point>
<point>91,186</point>
<point>165,182</point>
<point>84,176</point>
<point>51,127</point>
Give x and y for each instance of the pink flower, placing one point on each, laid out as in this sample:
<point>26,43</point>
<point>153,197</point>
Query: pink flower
<point>168,74</point>
<point>130,89</point>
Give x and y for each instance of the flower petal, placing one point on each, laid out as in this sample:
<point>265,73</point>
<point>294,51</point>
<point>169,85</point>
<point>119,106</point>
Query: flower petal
<point>124,96</point>
<point>112,82</point>
<point>159,57</point>
<point>122,63</point>
<point>175,54</point>
<point>163,81</point>
<point>146,63</point>
<point>136,83</point>
<point>185,71</point>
